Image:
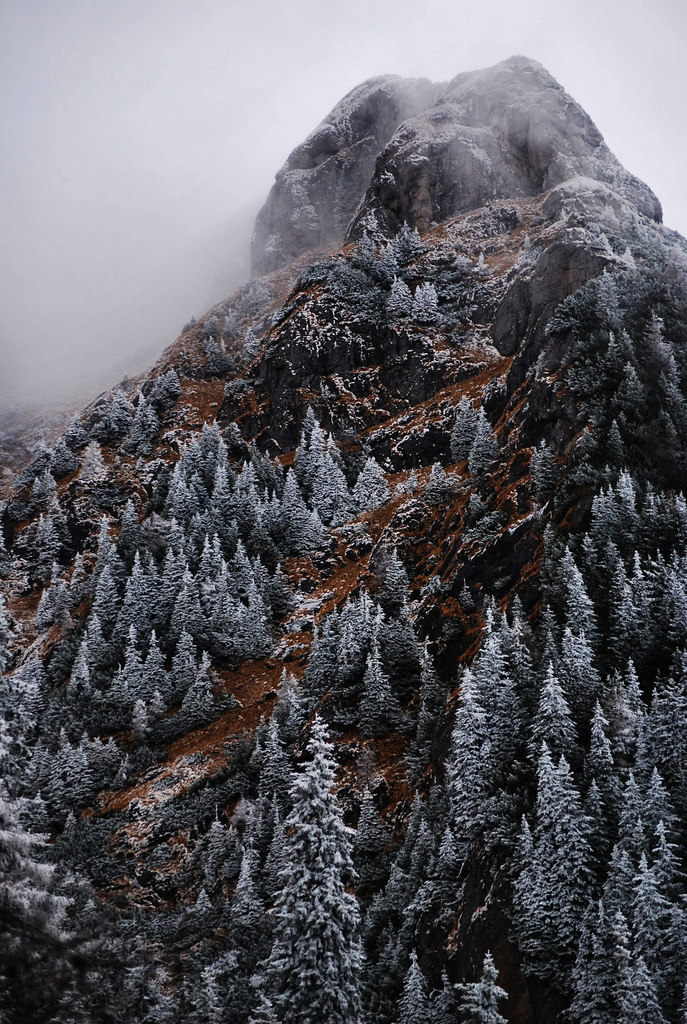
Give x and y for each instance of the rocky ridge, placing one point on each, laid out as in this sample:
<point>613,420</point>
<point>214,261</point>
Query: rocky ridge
<point>407,151</point>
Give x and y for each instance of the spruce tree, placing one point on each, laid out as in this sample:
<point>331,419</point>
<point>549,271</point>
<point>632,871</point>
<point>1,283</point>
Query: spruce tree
<point>415,1006</point>
<point>479,999</point>
<point>554,882</point>
<point>371,490</point>
<point>425,304</point>
<point>399,304</point>
<point>464,430</point>
<point>484,448</point>
<point>313,973</point>
<point>380,712</point>
<point>553,723</point>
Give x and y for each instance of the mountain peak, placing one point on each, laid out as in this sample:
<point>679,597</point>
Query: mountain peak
<point>398,150</point>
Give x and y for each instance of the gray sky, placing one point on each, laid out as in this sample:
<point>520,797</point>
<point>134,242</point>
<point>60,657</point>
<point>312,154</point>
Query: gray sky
<point>138,138</point>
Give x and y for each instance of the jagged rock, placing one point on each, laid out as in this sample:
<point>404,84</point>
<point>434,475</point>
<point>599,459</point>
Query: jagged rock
<point>508,131</point>
<point>407,150</point>
<point>560,270</point>
<point>320,185</point>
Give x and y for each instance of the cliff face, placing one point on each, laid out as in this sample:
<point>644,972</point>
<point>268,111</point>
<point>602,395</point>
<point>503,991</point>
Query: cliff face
<point>320,185</point>
<point>477,579</point>
<point>419,153</point>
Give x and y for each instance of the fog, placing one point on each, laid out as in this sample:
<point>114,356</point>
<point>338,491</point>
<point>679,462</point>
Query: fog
<point>138,140</point>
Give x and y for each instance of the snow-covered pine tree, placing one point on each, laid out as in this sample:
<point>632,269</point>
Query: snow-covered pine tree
<point>394,590</point>
<point>484,448</point>
<point>437,489</point>
<point>93,468</point>
<point>553,886</point>
<point>426,304</point>
<point>399,304</point>
<point>63,460</point>
<point>145,428</point>
<point>379,710</point>
<point>371,490</point>
<point>313,973</point>
<point>544,470</point>
<point>415,1005</point>
<point>479,1000</point>
<point>407,245</point>
<point>553,723</point>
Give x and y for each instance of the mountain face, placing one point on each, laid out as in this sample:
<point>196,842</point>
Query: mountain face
<point>344,652</point>
<point>402,151</point>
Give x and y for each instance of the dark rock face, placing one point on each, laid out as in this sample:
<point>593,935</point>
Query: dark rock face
<point>522,314</point>
<point>320,185</point>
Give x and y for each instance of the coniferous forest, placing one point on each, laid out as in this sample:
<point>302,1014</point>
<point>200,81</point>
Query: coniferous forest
<point>344,654</point>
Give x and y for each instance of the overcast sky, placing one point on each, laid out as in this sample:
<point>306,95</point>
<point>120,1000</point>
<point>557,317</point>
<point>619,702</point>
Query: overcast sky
<point>138,138</point>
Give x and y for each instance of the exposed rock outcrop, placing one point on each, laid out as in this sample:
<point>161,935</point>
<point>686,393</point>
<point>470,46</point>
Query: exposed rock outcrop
<point>508,131</point>
<point>320,185</point>
<point>405,150</point>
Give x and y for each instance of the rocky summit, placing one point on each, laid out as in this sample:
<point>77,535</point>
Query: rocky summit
<point>345,653</point>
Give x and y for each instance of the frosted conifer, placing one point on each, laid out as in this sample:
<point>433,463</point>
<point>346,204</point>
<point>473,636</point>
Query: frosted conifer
<point>399,305</point>
<point>415,1005</point>
<point>425,304</point>
<point>479,999</point>
<point>93,468</point>
<point>371,490</point>
<point>484,448</point>
<point>313,973</point>
<point>379,709</point>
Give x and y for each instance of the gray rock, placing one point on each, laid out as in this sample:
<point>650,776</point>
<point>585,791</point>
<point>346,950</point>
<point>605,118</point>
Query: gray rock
<point>506,132</point>
<point>406,150</point>
<point>321,184</point>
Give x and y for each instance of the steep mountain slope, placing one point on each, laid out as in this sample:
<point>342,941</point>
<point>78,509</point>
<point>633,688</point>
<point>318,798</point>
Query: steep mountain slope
<point>422,487</point>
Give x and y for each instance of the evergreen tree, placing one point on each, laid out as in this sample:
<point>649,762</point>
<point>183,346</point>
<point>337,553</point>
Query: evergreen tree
<point>639,1003</point>
<point>594,975</point>
<point>399,304</point>
<point>371,836</point>
<point>464,430</point>
<point>301,531</point>
<point>379,710</point>
<point>553,722</point>
<point>93,468</point>
<point>425,304</point>
<point>484,448</point>
<point>433,695</point>
<point>63,460</point>
<point>199,704</point>
<point>322,670</point>
<point>275,771</point>
<point>437,488</point>
<point>371,490</point>
<point>479,1000</point>
<point>553,885</point>
<point>415,1005</point>
<point>407,245</point>
<point>578,675</point>
<point>313,972</point>
<point>145,428</point>
<point>544,472</point>
<point>579,610</point>
<point>468,774</point>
